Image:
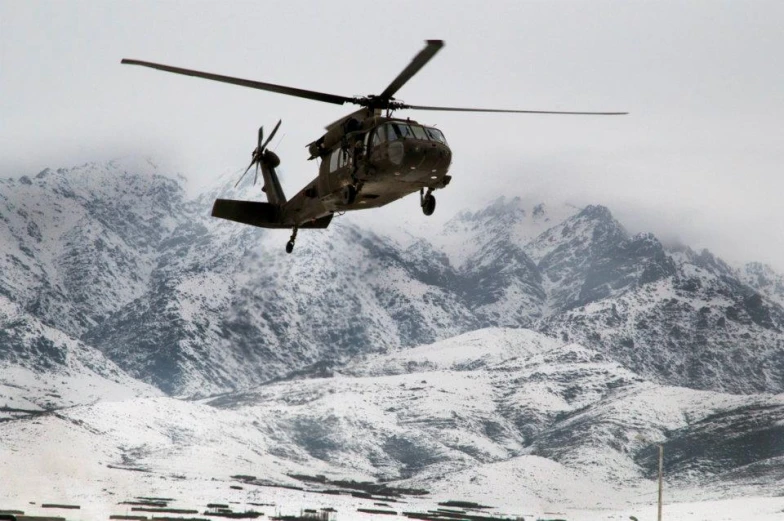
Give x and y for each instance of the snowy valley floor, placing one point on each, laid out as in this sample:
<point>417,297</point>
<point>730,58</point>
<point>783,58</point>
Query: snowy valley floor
<point>512,419</point>
<point>98,500</point>
<point>101,455</point>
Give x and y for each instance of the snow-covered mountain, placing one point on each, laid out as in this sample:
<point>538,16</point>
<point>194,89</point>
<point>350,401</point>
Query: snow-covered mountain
<point>43,369</point>
<point>494,395</point>
<point>80,243</point>
<point>366,355</point>
<point>764,279</point>
<point>506,417</point>
<point>117,256</point>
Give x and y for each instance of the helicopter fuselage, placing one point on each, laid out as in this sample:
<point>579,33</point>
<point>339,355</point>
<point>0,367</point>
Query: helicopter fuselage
<point>371,168</point>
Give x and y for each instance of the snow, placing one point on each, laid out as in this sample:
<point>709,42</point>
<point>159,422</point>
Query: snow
<point>528,422</point>
<point>521,219</point>
<point>190,450</point>
<point>481,347</point>
<point>438,398</point>
<point>24,388</point>
<point>737,509</point>
<point>84,376</point>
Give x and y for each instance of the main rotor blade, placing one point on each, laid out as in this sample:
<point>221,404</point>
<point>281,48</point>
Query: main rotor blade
<point>264,146</point>
<point>419,61</point>
<point>280,89</point>
<point>460,109</point>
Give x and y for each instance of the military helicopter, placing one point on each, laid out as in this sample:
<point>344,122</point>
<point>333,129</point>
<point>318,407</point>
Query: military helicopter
<point>367,159</point>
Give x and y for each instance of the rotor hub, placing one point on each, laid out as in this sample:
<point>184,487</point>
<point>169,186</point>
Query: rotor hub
<point>373,102</point>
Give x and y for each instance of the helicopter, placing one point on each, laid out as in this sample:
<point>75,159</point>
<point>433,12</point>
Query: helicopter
<point>367,159</point>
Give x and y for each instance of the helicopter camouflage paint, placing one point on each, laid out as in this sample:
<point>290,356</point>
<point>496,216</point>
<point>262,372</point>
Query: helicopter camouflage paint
<point>368,158</point>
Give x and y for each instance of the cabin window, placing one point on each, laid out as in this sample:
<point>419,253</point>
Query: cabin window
<point>379,136</point>
<point>333,160</point>
<point>436,135</point>
<point>338,159</point>
<point>419,132</point>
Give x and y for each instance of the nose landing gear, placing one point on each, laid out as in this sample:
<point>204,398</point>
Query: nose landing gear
<point>290,244</point>
<point>427,201</point>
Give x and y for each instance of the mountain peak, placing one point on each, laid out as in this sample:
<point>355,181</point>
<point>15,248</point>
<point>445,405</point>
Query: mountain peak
<point>596,211</point>
<point>516,208</point>
<point>508,208</point>
<point>765,279</point>
<point>703,258</point>
<point>43,173</point>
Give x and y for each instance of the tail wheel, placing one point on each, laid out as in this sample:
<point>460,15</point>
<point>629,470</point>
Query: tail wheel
<point>290,244</point>
<point>349,194</point>
<point>429,204</point>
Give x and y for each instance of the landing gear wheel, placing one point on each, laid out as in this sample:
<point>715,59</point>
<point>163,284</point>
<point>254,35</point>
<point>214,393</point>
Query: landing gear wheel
<point>429,204</point>
<point>349,194</point>
<point>289,247</point>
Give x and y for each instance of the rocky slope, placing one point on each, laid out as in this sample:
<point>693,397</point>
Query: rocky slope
<point>117,256</point>
<point>43,369</point>
<point>495,395</point>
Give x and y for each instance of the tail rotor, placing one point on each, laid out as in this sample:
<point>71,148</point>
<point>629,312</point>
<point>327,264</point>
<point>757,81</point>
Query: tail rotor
<point>260,156</point>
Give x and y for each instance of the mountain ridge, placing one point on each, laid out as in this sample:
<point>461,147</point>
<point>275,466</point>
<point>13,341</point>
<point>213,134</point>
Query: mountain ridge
<point>126,262</point>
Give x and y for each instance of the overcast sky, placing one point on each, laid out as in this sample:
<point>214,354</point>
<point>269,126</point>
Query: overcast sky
<point>699,159</point>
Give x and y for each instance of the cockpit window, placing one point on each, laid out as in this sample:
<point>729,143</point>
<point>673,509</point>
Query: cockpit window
<point>419,132</point>
<point>404,130</point>
<point>435,135</point>
<point>393,131</point>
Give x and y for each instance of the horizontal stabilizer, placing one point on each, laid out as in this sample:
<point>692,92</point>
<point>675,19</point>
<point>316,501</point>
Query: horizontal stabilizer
<point>263,215</point>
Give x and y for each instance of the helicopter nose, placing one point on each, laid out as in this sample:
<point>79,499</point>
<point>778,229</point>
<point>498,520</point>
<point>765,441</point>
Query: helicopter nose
<point>425,162</point>
<point>437,159</point>
<point>426,156</point>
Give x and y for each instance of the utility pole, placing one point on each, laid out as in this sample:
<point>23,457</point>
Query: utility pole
<point>661,467</point>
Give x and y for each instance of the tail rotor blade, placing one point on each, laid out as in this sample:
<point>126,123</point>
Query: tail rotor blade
<point>256,174</point>
<point>271,135</point>
<point>245,172</point>
<point>261,136</point>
